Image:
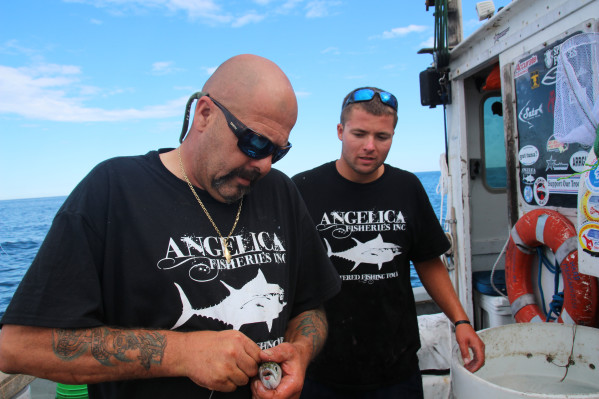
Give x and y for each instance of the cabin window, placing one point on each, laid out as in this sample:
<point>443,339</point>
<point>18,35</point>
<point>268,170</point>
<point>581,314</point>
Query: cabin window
<point>494,166</point>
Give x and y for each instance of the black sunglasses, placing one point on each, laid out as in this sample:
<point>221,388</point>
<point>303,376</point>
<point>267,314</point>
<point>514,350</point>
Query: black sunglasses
<point>365,94</point>
<point>251,143</point>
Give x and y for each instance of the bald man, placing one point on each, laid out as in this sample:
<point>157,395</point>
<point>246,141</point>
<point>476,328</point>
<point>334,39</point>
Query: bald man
<point>177,273</point>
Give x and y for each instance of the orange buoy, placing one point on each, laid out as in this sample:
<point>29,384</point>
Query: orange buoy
<point>552,229</point>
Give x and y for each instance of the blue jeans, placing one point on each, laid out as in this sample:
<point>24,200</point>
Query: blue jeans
<point>411,388</point>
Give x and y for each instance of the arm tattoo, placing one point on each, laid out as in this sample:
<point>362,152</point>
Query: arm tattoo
<point>314,324</point>
<point>105,344</point>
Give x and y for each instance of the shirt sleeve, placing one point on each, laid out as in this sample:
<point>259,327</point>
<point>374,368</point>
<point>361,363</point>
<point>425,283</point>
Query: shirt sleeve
<point>61,288</point>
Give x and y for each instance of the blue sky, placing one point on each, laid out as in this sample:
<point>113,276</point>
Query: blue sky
<point>82,81</point>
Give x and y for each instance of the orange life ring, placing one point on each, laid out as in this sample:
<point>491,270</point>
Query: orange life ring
<point>552,229</point>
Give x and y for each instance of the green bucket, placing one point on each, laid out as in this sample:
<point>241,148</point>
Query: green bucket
<point>64,391</point>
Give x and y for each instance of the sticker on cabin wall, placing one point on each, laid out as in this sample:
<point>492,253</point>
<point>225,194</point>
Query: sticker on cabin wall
<point>590,206</point>
<point>541,191</point>
<point>578,161</point>
<point>528,179</point>
<point>588,237</point>
<point>528,194</point>
<point>550,77</point>
<point>550,57</point>
<point>523,66</point>
<point>529,113</point>
<point>551,102</point>
<point>554,164</point>
<point>539,150</point>
<point>563,184</point>
<point>528,155</point>
<point>556,146</point>
<point>535,81</point>
<point>593,180</point>
<point>528,175</point>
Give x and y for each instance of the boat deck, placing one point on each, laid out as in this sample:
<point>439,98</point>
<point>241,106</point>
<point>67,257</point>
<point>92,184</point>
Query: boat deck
<point>43,389</point>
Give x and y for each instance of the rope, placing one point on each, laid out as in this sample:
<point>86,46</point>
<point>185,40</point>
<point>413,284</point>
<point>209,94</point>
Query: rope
<point>557,299</point>
<point>495,265</point>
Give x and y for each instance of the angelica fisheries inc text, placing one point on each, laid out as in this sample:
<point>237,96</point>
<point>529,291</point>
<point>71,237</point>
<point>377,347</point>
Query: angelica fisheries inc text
<point>382,220</point>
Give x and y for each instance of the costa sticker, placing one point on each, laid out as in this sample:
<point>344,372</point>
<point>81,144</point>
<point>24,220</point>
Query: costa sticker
<point>588,237</point>
<point>528,194</point>
<point>578,161</point>
<point>550,77</point>
<point>528,155</point>
<point>541,191</point>
<point>593,180</point>
<point>590,206</point>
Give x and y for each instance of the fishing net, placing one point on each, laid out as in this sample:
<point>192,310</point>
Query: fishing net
<point>576,114</point>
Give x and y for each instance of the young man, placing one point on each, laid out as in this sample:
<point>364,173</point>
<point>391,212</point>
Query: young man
<point>163,276</point>
<point>374,219</point>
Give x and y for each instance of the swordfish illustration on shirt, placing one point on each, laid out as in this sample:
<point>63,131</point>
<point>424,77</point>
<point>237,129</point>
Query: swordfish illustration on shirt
<point>257,301</point>
<point>375,251</point>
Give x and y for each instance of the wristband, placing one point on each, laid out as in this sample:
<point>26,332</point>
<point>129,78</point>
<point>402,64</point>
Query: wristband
<point>457,323</point>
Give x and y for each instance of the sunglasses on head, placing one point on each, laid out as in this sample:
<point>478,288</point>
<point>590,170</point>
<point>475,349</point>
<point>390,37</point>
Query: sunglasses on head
<point>360,95</point>
<point>251,143</point>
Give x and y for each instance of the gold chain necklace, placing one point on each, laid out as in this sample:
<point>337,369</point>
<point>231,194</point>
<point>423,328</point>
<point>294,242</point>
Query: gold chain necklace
<point>225,241</point>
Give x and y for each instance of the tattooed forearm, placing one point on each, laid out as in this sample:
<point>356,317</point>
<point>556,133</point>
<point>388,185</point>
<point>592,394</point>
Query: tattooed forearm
<point>314,325</point>
<point>106,344</point>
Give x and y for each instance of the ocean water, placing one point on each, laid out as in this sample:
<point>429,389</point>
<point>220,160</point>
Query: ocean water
<point>25,222</point>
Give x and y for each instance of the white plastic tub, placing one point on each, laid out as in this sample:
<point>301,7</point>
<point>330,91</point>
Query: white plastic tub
<point>527,360</point>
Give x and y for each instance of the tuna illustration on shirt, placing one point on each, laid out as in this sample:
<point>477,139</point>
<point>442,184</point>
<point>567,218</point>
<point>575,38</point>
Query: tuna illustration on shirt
<point>256,302</point>
<point>375,251</point>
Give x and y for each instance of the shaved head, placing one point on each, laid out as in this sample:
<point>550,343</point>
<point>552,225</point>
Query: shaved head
<point>250,84</point>
<point>257,92</point>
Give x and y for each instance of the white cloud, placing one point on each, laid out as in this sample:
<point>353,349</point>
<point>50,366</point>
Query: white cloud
<point>208,10</point>
<point>430,42</point>
<point>249,18</point>
<point>95,21</point>
<point>354,77</point>
<point>209,70</point>
<point>403,31</point>
<point>52,92</point>
<point>331,50</point>
<point>288,6</point>
<point>164,68</point>
<point>211,11</point>
<point>319,8</point>
<point>13,46</point>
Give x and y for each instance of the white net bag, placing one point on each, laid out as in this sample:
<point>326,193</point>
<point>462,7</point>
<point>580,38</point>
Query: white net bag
<point>576,114</point>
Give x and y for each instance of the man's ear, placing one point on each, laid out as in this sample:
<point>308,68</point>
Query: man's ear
<point>205,113</point>
<point>340,131</point>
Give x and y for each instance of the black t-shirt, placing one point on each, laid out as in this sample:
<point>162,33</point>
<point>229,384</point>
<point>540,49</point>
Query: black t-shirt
<point>131,247</point>
<point>371,232</point>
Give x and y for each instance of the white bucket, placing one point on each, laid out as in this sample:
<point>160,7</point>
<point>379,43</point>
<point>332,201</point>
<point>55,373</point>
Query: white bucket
<point>526,360</point>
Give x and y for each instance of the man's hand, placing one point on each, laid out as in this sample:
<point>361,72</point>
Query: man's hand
<point>467,338</point>
<point>293,367</point>
<point>221,361</point>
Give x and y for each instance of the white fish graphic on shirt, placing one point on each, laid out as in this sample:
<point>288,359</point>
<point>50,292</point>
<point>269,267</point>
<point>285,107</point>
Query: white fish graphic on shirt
<point>257,301</point>
<point>375,251</point>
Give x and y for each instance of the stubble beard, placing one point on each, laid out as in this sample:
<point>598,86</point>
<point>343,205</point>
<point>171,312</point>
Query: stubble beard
<point>221,184</point>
